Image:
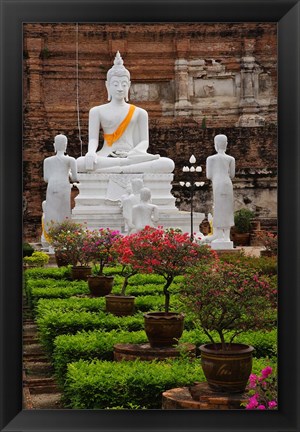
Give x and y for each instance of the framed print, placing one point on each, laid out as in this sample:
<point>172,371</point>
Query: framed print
<point>201,71</point>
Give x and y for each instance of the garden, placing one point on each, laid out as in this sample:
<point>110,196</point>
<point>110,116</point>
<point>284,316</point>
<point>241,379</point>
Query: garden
<point>177,300</point>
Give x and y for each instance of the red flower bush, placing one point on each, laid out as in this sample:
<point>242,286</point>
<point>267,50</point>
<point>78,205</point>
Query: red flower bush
<point>165,252</point>
<point>98,246</point>
<point>229,299</point>
<point>262,391</point>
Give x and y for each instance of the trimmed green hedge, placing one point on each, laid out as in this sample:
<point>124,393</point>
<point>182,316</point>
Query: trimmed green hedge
<point>57,323</point>
<point>48,272</point>
<point>127,385</point>
<point>88,346</point>
<point>100,345</point>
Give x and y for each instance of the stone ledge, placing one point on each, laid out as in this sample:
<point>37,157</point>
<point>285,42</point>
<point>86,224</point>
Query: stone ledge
<point>147,353</point>
<point>201,397</point>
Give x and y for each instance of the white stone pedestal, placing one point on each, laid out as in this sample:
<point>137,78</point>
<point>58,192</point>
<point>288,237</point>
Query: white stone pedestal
<point>221,245</point>
<point>98,201</point>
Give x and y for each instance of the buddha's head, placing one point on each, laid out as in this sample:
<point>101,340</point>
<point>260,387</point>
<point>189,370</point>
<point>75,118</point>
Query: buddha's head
<point>60,143</point>
<point>220,142</point>
<point>145,195</point>
<point>118,80</point>
<point>137,184</point>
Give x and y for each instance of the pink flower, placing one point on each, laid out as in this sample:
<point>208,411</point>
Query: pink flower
<point>252,381</point>
<point>261,407</point>
<point>266,372</point>
<point>272,404</point>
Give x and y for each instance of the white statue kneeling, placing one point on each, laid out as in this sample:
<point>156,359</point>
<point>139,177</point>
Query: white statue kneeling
<point>145,213</point>
<point>125,127</point>
<point>58,171</point>
<point>220,169</point>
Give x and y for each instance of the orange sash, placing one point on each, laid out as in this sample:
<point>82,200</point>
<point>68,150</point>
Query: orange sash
<point>111,138</point>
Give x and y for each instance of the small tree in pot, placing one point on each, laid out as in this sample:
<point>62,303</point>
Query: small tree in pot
<point>242,226</point>
<point>98,245</point>
<point>121,304</point>
<point>228,300</point>
<point>168,253</point>
<point>67,240</point>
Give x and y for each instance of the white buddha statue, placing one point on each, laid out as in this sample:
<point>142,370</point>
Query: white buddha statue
<point>220,169</point>
<point>126,135</point>
<point>58,171</point>
<point>129,201</point>
<point>145,213</point>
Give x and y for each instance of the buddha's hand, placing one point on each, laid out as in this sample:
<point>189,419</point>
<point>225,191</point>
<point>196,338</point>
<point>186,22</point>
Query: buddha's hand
<point>90,160</point>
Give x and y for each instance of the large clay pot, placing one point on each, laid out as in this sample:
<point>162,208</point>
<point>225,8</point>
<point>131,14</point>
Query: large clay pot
<point>241,239</point>
<point>163,329</point>
<point>100,285</point>
<point>227,370</point>
<point>60,260</point>
<point>80,272</point>
<point>120,305</point>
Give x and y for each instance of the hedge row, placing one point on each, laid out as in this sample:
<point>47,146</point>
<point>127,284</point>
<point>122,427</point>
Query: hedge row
<point>263,265</point>
<point>129,385</point>
<point>96,304</point>
<point>100,345</point>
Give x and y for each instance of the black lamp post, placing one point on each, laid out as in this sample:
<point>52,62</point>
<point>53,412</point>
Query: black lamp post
<point>192,185</point>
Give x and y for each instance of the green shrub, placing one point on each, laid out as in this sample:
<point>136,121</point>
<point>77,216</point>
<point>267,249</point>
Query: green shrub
<point>242,219</point>
<point>49,289</point>
<point>70,304</point>
<point>27,250</point>
<point>103,384</point>
<point>57,323</point>
<point>262,265</point>
<point>88,346</point>
<point>48,272</point>
<point>37,259</point>
<point>100,345</point>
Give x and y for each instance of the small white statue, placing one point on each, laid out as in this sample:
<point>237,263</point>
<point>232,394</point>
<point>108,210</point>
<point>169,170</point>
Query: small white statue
<point>145,213</point>
<point>58,170</point>
<point>125,127</point>
<point>220,169</point>
<point>130,201</point>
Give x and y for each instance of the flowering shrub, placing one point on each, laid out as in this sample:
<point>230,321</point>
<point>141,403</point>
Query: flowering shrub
<point>121,248</point>
<point>97,245</point>
<point>165,252</point>
<point>269,241</point>
<point>67,239</point>
<point>225,298</point>
<point>262,391</point>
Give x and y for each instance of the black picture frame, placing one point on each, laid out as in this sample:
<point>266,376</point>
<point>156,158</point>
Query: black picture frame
<point>13,14</point>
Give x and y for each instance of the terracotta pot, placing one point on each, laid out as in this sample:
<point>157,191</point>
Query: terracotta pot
<point>241,239</point>
<point>163,329</point>
<point>227,370</point>
<point>80,272</point>
<point>120,305</point>
<point>100,285</point>
<point>60,260</point>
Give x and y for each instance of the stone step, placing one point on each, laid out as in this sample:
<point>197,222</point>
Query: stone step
<point>46,400</point>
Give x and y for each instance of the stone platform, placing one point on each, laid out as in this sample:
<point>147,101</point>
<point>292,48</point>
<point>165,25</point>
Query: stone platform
<point>201,397</point>
<point>147,353</point>
<point>98,203</point>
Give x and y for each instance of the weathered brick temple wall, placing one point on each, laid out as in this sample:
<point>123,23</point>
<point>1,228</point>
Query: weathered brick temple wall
<point>195,80</point>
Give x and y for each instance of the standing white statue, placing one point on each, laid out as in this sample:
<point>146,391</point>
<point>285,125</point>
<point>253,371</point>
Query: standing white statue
<point>58,171</point>
<point>145,213</point>
<point>131,200</point>
<point>125,127</point>
<point>220,169</point>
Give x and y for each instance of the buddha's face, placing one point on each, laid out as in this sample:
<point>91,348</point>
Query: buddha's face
<point>118,87</point>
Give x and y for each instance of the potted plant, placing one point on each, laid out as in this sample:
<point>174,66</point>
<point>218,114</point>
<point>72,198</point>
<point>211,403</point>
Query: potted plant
<point>167,253</point>
<point>67,240</point>
<point>97,245</point>
<point>270,243</point>
<point>227,300</point>
<point>242,225</point>
<point>121,304</point>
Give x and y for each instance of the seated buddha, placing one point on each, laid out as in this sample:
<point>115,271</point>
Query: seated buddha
<point>125,129</point>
